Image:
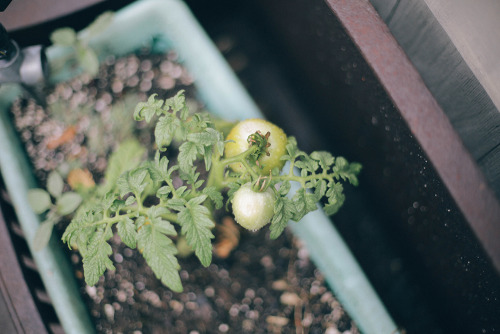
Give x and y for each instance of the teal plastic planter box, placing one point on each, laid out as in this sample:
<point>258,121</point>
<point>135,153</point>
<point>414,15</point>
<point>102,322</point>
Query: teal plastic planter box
<point>171,25</point>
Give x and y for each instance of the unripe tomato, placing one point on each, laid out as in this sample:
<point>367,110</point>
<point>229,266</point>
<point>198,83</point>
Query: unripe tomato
<point>239,134</point>
<point>253,209</point>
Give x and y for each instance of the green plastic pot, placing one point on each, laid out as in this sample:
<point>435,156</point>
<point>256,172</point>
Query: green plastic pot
<point>171,25</point>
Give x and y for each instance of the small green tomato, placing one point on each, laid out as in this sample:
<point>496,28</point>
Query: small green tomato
<point>253,209</point>
<point>239,137</point>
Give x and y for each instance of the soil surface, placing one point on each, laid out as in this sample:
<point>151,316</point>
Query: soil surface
<point>261,286</point>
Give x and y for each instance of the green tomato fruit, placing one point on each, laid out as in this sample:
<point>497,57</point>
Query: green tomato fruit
<point>239,135</point>
<point>253,209</point>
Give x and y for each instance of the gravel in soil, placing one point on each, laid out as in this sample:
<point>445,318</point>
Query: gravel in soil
<point>261,286</point>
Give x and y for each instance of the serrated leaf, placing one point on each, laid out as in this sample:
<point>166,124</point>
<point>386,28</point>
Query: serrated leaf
<point>284,210</point>
<point>63,37</point>
<point>161,225</point>
<point>335,196</point>
<point>96,259</point>
<point>325,159</point>
<point>163,192</point>
<point>39,200</point>
<point>214,195</point>
<point>130,200</point>
<point>307,164</point>
<point>126,232</point>
<point>304,202</point>
<point>176,204</point>
<point>126,157</point>
<point>347,171</point>
<point>55,184</point>
<point>146,110</point>
<point>196,225</point>
<point>284,188</point>
<point>176,103</point>
<point>320,189</point>
<point>159,252</point>
<point>187,154</point>
<point>165,130</point>
<point>42,235</point>
<point>133,181</point>
<point>68,203</point>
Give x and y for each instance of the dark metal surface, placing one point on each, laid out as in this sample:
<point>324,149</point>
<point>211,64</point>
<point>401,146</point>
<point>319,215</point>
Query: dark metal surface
<point>426,120</point>
<point>370,103</point>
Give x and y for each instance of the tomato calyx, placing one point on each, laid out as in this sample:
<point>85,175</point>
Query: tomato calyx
<point>262,143</point>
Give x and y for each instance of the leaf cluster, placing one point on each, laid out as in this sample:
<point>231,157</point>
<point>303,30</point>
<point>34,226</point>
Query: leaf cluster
<point>155,203</point>
<point>318,176</point>
<point>140,201</point>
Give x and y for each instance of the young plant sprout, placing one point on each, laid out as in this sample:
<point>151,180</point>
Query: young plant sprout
<point>149,211</point>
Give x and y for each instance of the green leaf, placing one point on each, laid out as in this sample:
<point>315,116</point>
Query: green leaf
<point>55,184</point>
<point>196,226</point>
<point>176,204</point>
<point>126,157</point>
<point>165,130</point>
<point>159,252</point>
<point>68,203</point>
<point>346,170</point>
<point>304,202</point>
<point>187,154</point>
<point>214,195</point>
<point>161,225</point>
<point>163,192</point>
<point>176,103</point>
<point>39,200</point>
<point>320,189</point>
<point>63,37</point>
<point>335,198</point>
<point>307,164</point>
<point>96,259</point>
<point>284,210</point>
<point>325,159</point>
<point>133,181</point>
<point>126,231</point>
<point>158,170</point>
<point>42,235</point>
<point>146,110</point>
<point>191,177</point>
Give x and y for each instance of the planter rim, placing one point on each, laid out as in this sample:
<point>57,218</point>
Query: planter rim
<point>172,25</point>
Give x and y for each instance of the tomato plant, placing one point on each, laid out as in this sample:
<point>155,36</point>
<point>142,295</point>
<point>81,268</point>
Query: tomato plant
<point>141,203</point>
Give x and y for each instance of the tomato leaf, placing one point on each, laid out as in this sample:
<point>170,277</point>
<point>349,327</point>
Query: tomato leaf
<point>126,231</point>
<point>146,110</point>
<point>284,210</point>
<point>214,195</point>
<point>196,226</point>
<point>96,259</point>
<point>159,252</point>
